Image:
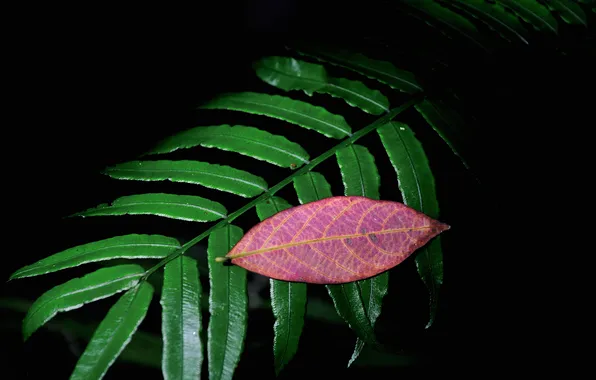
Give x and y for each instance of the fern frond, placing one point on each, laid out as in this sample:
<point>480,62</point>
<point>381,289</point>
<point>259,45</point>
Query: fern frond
<point>359,303</point>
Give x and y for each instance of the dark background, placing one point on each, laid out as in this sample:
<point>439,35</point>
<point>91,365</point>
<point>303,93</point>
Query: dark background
<point>92,86</point>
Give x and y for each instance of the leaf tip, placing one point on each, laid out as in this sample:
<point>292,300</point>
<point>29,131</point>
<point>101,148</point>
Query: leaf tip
<point>440,227</point>
<point>26,334</point>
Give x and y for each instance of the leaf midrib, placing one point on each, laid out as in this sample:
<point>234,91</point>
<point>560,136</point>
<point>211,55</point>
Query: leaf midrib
<point>119,327</point>
<point>537,16</point>
<point>182,315</point>
<point>191,172</point>
<point>312,241</point>
<point>359,95</point>
<point>76,256</point>
<point>228,311</point>
<point>571,11</point>
<point>80,290</point>
<point>116,207</point>
<point>296,113</point>
<point>259,143</point>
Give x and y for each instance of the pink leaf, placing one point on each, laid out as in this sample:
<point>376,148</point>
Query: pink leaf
<point>334,240</point>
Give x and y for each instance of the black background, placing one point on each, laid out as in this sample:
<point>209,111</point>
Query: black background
<point>96,85</point>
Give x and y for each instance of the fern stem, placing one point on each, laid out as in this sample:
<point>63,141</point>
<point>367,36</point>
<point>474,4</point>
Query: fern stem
<point>280,185</point>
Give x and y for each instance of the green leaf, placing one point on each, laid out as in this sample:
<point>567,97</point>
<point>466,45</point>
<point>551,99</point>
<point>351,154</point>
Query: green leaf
<point>288,301</point>
<point>382,71</point>
<point>114,333</point>
<point>445,123</point>
<point>312,187</point>
<point>533,13</point>
<point>361,178</point>
<point>228,303</point>
<point>569,11</point>
<point>357,94</point>
<point>121,247</point>
<point>75,293</point>
<point>358,171</point>
<point>494,16</point>
<point>183,207</point>
<point>181,320</point>
<point>217,177</point>
<point>280,107</point>
<point>372,292</point>
<point>288,74</point>
<point>447,17</point>
<point>417,186</point>
<point>244,140</point>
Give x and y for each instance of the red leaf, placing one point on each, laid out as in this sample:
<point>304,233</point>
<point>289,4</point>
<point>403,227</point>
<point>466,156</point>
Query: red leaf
<point>334,240</point>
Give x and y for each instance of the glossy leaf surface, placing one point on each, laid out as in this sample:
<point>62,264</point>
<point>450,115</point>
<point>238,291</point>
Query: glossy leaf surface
<point>181,320</point>
<point>244,140</point>
<point>75,293</point>
<point>358,172</point>
<point>219,177</point>
<point>569,11</point>
<point>417,186</point>
<point>311,187</point>
<point>228,303</point>
<point>533,13</point>
<point>280,107</point>
<point>288,301</point>
<point>382,71</point>
<point>334,241</point>
<point>121,247</point>
<point>361,178</point>
<point>114,333</point>
<point>184,207</point>
<point>288,74</point>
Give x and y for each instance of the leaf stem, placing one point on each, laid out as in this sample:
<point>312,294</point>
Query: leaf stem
<point>414,99</point>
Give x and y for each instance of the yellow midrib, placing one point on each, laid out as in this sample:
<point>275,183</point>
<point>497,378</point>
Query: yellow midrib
<point>304,242</point>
